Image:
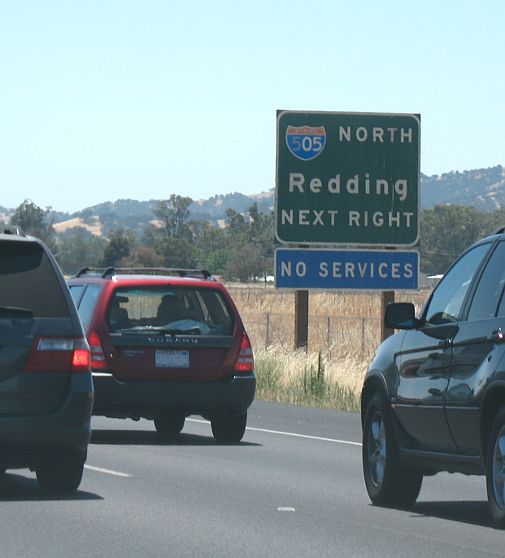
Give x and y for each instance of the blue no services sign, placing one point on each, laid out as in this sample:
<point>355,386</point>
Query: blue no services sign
<point>346,269</point>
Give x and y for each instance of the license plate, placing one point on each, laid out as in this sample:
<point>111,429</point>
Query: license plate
<point>171,359</point>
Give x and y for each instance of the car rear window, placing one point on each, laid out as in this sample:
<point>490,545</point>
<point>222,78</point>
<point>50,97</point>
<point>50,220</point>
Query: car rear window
<point>184,310</point>
<point>87,303</point>
<point>28,281</point>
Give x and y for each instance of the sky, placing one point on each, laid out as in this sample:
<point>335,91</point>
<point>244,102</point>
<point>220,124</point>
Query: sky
<point>103,100</point>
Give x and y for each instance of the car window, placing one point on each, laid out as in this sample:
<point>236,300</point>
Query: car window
<point>490,288</point>
<point>501,307</point>
<point>191,310</point>
<point>447,300</point>
<point>76,292</point>
<point>29,281</point>
<point>88,303</point>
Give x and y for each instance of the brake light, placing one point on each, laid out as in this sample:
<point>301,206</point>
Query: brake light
<point>97,355</point>
<point>245,359</point>
<point>58,354</point>
<point>81,359</point>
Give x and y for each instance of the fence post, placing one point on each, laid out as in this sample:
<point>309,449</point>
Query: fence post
<point>362,338</point>
<point>387,297</point>
<point>267,340</point>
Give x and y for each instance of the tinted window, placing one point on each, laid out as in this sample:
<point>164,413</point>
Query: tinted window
<point>76,292</point>
<point>195,311</point>
<point>28,280</point>
<point>88,303</point>
<point>447,300</point>
<point>490,288</point>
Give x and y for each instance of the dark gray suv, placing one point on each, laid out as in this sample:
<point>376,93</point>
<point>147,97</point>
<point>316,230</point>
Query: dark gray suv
<point>46,389</point>
<point>434,396</point>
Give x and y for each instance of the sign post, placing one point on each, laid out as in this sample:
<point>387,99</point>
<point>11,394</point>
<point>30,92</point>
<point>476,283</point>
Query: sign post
<point>301,319</point>
<point>387,297</point>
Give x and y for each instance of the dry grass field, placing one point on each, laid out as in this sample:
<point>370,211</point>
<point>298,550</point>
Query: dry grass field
<point>344,331</point>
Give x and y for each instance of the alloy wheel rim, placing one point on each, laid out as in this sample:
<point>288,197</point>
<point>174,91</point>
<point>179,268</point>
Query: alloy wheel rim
<point>499,469</point>
<point>377,450</point>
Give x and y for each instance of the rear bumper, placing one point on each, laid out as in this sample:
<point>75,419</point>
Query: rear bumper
<point>150,399</point>
<point>26,440</point>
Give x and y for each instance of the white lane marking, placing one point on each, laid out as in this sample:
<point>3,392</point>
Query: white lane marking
<point>286,509</point>
<point>107,471</point>
<point>335,441</point>
<point>292,434</point>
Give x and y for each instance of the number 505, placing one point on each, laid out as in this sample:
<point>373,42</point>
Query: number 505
<point>307,143</point>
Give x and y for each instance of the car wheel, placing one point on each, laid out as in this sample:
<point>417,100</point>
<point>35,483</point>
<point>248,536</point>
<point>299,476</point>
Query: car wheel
<point>495,470</point>
<point>229,427</point>
<point>168,426</point>
<point>61,474</point>
<point>387,482</point>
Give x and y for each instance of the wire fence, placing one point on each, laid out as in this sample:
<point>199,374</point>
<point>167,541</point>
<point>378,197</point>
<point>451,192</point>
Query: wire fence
<point>335,336</point>
<point>341,324</point>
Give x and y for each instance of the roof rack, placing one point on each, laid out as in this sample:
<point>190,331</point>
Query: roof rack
<point>12,229</point>
<point>109,271</point>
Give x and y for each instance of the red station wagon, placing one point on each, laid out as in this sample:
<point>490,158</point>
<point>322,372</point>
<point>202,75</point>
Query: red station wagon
<point>166,344</point>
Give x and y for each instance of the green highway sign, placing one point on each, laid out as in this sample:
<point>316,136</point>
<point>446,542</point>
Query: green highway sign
<point>347,178</point>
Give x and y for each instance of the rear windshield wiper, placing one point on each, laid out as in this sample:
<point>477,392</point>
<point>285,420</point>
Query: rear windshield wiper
<point>174,331</point>
<point>153,330</point>
<point>15,312</point>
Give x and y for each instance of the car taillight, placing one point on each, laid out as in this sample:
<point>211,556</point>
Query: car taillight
<point>58,354</point>
<point>81,357</point>
<point>97,355</point>
<point>245,359</point>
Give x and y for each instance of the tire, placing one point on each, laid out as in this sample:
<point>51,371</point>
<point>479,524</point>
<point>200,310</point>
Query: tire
<point>169,426</point>
<point>495,470</point>
<point>61,474</point>
<point>228,428</point>
<point>387,482</point>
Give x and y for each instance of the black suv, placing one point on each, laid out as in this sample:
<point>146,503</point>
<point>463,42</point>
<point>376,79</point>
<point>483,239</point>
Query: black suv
<point>434,396</point>
<point>46,389</point>
<point>165,344</point>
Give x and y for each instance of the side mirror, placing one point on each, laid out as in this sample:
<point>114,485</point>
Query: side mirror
<point>401,315</point>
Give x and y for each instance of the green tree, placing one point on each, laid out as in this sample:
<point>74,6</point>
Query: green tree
<point>35,221</point>
<point>249,242</point>
<point>173,213</point>
<point>245,263</point>
<point>446,230</point>
<point>177,253</point>
<point>119,246</point>
<point>141,256</point>
<point>78,248</point>
<point>262,234</point>
<point>210,244</point>
<point>236,224</point>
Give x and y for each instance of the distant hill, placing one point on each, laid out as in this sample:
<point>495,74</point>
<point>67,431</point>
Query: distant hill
<point>135,215</point>
<point>214,208</point>
<point>483,189</point>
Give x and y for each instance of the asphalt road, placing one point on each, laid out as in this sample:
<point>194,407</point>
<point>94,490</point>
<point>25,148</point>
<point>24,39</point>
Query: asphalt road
<point>292,488</point>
